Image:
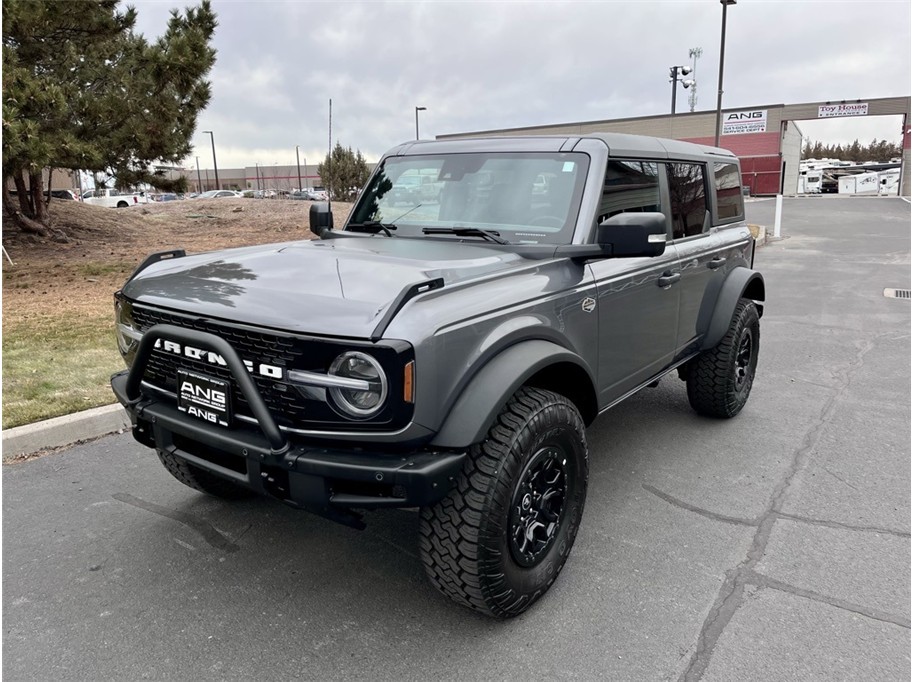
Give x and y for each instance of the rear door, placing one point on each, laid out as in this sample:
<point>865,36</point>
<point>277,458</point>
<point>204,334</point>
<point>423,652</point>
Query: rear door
<point>697,245</point>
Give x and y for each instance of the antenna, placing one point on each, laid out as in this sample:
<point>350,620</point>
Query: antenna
<point>695,53</point>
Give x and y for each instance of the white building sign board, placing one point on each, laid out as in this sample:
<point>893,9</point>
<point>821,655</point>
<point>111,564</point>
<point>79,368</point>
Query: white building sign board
<point>740,122</point>
<point>834,110</point>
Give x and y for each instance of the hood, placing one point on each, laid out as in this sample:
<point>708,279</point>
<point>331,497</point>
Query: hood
<point>334,287</point>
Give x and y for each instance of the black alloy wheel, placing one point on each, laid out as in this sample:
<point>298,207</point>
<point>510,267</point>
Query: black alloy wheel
<point>497,542</point>
<point>538,500</point>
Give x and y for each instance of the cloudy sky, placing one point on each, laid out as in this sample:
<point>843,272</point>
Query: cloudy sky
<point>483,65</point>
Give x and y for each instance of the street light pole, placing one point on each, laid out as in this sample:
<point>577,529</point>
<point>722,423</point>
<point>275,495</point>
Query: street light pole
<point>199,177</point>
<point>725,4</point>
<point>214,163</point>
<point>417,109</point>
<point>298,157</point>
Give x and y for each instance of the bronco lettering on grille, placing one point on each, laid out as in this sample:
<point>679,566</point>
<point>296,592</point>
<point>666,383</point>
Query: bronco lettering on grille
<point>271,371</point>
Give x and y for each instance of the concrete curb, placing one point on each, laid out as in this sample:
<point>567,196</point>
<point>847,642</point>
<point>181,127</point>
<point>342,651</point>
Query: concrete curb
<point>63,431</point>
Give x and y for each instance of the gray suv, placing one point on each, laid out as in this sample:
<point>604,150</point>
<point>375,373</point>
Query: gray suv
<point>448,355</point>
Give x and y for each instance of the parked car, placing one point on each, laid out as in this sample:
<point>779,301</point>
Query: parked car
<point>113,198</point>
<point>220,194</point>
<point>299,194</point>
<point>316,194</point>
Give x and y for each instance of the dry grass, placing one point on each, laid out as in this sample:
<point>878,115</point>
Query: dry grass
<point>58,345</point>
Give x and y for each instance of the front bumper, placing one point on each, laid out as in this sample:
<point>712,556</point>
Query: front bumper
<point>328,481</point>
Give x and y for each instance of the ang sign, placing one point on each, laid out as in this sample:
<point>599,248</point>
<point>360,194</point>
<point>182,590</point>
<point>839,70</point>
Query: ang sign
<point>739,122</point>
<point>833,110</point>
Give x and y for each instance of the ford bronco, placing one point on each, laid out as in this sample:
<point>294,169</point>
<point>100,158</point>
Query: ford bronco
<point>449,354</point>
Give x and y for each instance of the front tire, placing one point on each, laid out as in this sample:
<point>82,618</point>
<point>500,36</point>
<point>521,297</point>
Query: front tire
<point>499,539</point>
<point>719,380</point>
<point>201,480</point>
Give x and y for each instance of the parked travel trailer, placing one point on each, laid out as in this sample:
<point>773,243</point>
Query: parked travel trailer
<point>861,183</point>
<point>888,182</point>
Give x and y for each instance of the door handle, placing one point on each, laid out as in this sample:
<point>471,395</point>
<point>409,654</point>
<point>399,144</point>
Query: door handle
<point>716,263</point>
<point>668,278</point>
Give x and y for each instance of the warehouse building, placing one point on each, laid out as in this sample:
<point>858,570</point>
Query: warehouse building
<point>767,138</point>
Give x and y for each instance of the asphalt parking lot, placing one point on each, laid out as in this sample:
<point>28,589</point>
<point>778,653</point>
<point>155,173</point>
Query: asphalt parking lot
<point>774,546</point>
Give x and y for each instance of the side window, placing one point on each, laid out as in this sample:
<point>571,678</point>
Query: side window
<point>630,186</point>
<point>687,192</point>
<point>729,200</point>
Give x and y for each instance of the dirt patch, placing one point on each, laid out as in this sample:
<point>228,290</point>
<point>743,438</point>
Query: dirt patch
<point>58,344</point>
<point>107,243</point>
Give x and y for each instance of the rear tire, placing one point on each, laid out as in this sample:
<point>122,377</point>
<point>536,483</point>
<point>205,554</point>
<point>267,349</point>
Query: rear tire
<point>719,380</point>
<point>198,479</point>
<point>499,539</point>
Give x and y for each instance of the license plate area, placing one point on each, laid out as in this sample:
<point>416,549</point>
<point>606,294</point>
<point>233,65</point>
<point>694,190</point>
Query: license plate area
<point>204,397</point>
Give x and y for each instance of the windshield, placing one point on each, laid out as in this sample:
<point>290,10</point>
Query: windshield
<point>528,198</point>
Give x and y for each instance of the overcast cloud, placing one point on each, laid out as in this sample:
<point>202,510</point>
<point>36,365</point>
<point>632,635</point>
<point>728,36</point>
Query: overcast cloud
<point>480,65</point>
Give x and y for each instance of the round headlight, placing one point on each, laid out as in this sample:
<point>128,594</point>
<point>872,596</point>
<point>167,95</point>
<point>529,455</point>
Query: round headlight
<point>369,388</point>
<point>127,335</point>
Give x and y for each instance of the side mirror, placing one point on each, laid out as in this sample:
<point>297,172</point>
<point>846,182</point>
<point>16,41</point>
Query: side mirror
<point>321,219</point>
<point>633,234</point>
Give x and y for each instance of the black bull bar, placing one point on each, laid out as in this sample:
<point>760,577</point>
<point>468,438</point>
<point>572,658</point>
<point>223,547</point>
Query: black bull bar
<point>325,480</point>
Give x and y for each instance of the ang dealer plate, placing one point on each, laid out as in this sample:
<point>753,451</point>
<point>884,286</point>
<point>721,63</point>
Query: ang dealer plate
<point>204,397</point>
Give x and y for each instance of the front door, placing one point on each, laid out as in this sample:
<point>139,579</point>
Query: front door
<point>637,303</point>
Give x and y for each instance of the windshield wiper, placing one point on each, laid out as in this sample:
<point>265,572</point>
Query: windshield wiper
<point>375,226</point>
<point>372,227</point>
<point>487,235</point>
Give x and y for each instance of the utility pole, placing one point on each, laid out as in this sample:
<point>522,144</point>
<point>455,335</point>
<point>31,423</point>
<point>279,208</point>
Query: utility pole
<point>326,181</point>
<point>199,177</point>
<point>298,157</point>
<point>417,109</point>
<point>214,162</point>
<point>695,53</point>
<point>725,4</point>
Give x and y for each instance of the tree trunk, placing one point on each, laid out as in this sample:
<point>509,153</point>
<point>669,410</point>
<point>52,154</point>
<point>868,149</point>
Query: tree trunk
<point>20,218</point>
<point>25,199</point>
<point>48,197</point>
<point>41,214</point>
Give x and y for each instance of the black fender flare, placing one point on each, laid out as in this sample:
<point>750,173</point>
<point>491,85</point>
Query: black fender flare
<point>488,391</point>
<point>740,283</point>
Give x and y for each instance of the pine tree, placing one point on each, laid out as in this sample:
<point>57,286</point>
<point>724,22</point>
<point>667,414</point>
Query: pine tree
<point>343,173</point>
<point>83,91</point>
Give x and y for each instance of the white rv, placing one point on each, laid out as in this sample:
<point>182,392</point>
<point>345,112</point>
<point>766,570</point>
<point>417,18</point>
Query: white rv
<point>860,183</point>
<point>888,181</point>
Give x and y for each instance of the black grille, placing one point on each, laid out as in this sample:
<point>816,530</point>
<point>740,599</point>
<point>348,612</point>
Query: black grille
<point>286,402</point>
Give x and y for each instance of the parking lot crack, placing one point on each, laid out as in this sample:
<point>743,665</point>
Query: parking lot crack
<point>754,578</point>
<point>205,529</point>
<point>698,510</point>
<point>845,526</point>
<point>730,596</point>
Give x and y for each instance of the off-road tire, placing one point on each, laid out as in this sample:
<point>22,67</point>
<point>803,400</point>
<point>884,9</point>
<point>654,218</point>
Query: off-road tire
<point>719,380</point>
<point>201,480</point>
<point>468,550</point>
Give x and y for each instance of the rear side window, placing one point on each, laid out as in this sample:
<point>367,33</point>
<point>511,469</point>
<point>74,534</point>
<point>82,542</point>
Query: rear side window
<point>687,193</point>
<point>630,186</point>
<point>729,199</point>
